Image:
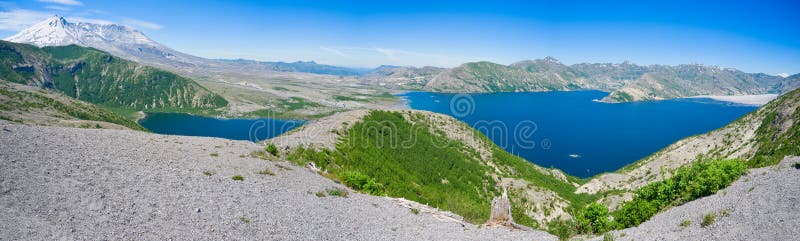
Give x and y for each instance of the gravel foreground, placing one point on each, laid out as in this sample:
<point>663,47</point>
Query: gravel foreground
<point>61,183</point>
<point>66,183</point>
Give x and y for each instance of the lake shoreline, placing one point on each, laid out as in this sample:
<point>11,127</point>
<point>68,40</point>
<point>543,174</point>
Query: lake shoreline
<point>754,100</point>
<point>185,124</point>
<point>570,131</point>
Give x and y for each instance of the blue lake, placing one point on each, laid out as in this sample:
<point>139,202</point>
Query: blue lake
<point>570,131</point>
<point>235,129</point>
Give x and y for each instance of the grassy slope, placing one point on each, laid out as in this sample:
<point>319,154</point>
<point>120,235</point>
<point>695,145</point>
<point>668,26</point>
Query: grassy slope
<point>434,170</point>
<point>779,132</point>
<point>97,77</point>
<point>18,101</point>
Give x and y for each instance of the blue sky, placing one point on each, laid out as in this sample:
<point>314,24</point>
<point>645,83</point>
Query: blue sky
<point>754,36</point>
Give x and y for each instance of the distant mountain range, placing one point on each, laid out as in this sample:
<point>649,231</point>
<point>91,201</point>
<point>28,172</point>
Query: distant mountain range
<point>625,81</point>
<point>299,66</point>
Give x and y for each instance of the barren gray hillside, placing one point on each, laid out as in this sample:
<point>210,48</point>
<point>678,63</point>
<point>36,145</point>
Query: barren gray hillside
<point>68,183</point>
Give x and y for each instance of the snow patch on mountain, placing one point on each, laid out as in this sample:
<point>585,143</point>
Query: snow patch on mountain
<point>115,39</point>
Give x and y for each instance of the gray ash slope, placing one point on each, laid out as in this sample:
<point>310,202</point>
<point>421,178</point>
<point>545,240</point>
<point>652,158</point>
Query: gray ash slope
<point>69,183</point>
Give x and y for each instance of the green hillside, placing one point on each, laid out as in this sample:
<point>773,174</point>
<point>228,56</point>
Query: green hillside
<point>31,105</point>
<point>407,154</point>
<point>97,77</point>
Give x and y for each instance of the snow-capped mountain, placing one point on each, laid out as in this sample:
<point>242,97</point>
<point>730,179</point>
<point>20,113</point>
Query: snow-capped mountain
<point>115,39</point>
<point>134,45</point>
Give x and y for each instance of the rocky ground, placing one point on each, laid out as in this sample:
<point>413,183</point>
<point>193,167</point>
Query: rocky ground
<point>761,205</point>
<point>69,183</point>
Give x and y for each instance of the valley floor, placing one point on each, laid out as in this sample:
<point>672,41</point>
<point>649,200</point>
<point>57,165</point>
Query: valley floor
<point>757,100</point>
<point>68,183</point>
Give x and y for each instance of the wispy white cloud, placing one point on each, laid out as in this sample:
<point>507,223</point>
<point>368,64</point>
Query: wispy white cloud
<point>89,20</point>
<point>366,56</point>
<point>334,51</point>
<point>57,8</point>
<point>141,24</point>
<point>390,53</point>
<point>394,54</point>
<point>64,2</point>
<point>20,19</point>
<point>98,11</point>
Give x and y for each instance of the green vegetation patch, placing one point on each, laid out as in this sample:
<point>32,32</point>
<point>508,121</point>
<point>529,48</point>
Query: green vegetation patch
<point>774,143</point>
<point>622,96</point>
<point>374,156</point>
<point>296,103</point>
<point>272,150</point>
<point>701,179</point>
<point>23,100</point>
<point>266,171</point>
<point>337,192</point>
<point>688,183</point>
<point>268,113</point>
<point>348,98</point>
<point>708,219</point>
<point>97,77</point>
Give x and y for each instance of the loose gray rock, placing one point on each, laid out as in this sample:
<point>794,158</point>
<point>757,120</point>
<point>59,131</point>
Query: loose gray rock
<point>87,184</point>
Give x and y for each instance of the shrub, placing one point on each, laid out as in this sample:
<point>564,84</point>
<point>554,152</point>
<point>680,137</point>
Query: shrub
<point>354,179</point>
<point>272,149</point>
<point>208,173</point>
<point>362,182</point>
<point>214,154</point>
<point>259,154</point>
<point>238,178</point>
<point>686,223</point>
<point>338,192</point>
<point>283,167</point>
<point>415,210</point>
<point>634,212</point>
<point>562,229</point>
<point>302,155</point>
<point>708,219</point>
<point>593,219</point>
<point>701,179</point>
<point>320,194</point>
<point>608,237</point>
<point>266,171</point>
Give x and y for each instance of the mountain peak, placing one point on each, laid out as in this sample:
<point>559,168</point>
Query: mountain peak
<point>552,60</point>
<point>55,21</point>
<point>115,39</point>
